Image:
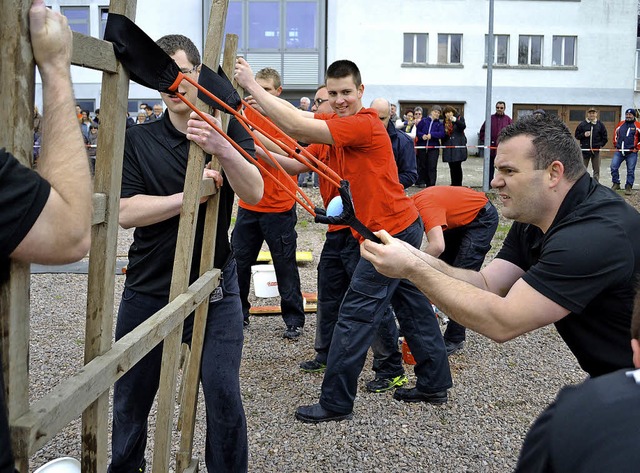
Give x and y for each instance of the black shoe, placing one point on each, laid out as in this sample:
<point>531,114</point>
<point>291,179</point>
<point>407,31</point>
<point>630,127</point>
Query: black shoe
<point>381,385</point>
<point>246,322</point>
<point>315,414</point>
<point>453,347</point>
<point>292,332</point>
<point>313,366</point>
<point>413,395</point>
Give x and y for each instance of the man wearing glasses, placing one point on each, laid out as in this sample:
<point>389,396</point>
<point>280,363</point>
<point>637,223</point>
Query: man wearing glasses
<point>499,120</point>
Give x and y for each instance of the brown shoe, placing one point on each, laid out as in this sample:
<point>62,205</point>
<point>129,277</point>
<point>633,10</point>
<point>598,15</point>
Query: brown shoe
<point>615,186</point>
<point>627,190</point>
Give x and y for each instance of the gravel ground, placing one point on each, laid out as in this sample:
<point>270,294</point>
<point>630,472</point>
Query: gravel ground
<point>498,389</point>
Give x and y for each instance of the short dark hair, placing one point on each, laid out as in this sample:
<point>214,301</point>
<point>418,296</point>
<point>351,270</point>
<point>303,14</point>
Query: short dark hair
<point>344,68</point>
<point>449,108</point>
<point>501,102</point>
<point>172,43</point>
<point>552,141</point>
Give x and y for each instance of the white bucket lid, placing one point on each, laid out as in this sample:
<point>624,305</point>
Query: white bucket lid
<point>60,465</point>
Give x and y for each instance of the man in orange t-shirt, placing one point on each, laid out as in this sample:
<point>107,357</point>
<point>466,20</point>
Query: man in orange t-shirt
<point>360,151</point>
<point>273,220</point>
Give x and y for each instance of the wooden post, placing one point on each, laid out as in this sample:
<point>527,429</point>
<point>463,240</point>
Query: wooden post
<point>183,257</point>
<point>17,85</point>
<point>104,241</point>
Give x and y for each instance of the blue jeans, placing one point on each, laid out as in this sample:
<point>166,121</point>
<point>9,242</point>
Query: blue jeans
<point>278,230</point>
<point>363,306</point>
<point>338,261</point>
<point>226,440</point>
<point>631,159</point>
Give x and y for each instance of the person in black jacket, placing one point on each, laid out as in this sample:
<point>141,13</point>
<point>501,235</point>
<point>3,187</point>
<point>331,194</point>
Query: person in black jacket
<point>592,426</point>
<point>592,135</point>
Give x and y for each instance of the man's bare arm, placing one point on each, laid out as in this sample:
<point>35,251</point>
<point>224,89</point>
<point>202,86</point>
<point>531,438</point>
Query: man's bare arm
<point>292,121</point>
<point>467,296</point>
<point>62,232</point>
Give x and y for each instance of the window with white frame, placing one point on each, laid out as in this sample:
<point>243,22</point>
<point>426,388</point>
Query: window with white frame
<point>500,49</point>
<point>530,50</point>
<point>449,48</point>
<point>415,48</point>
<point>78,18</point>
<point>564,51</point>
<point>637,81</point>
<point>104,13</point>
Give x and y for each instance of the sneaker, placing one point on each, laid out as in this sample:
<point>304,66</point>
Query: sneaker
<point>615,186</point>
<point>381,385</point>
<point>313,366</point>
<point>453,347</point>
<point>413,395</point>
<point>292,332</point>
<point>627,190</point>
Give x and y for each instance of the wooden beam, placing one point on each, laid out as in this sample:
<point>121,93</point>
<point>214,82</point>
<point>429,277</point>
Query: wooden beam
<point>183,257</point>
<point>190,379</point>
<point>99,208</point>
<point>94,53</point>
<point>68,399</point>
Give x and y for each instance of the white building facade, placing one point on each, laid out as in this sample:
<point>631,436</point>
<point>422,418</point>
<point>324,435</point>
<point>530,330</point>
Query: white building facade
<point>559,55</point>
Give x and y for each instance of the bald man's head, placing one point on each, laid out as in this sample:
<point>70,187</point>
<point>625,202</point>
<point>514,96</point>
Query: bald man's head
<point>383,108</point>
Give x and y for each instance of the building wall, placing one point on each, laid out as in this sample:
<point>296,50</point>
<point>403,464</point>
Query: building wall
<point>371,34</point>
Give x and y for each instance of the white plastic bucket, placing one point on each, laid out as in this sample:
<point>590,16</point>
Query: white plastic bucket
<point>265,283</point>
<point>60,465</point>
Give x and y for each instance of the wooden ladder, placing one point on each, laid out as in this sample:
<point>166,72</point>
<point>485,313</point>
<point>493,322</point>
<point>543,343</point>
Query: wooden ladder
<point>86,393</point>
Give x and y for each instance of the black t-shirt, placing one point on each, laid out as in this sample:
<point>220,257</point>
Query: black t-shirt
<point>590,428</point>
<point>587,262</point>
<point>23,195</point>
<point>155,163</point>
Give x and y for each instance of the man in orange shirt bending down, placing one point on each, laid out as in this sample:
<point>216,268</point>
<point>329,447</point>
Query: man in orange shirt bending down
<point>459,223</point>
<point>360,151</point>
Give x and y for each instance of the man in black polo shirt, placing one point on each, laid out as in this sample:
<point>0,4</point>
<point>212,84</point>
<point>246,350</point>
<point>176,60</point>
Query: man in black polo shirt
<point>32,205</point>
<point>154,168</point>
<point>571,258</point>
<point>594,426</point>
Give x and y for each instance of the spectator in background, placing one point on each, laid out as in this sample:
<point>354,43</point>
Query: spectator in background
<point>403,150</point>
<point>149,111</point>
<point>37,120</point>
<point>408,125</point>
<point>499,120</point>
<point>454,127</point>
<point>305,103</point>
<point>92,143</point>
<point>130,121</point>
<point>96,116</point>
<point>79,112</point>
<point>156,113</point>
<point>625,140</point>
<point>429,132</point>
<point>142,117</point>
<point>592,135</point>
<point>393,118</point>
<point>85,123</point>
